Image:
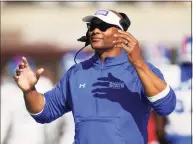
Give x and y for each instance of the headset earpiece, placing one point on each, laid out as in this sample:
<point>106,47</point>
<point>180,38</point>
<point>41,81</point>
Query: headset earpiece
<point>125,21</point>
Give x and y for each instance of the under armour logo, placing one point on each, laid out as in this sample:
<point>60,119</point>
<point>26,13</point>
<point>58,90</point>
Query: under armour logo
<point>82,85</point>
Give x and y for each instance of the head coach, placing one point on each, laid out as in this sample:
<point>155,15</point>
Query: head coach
<point>110,94</point>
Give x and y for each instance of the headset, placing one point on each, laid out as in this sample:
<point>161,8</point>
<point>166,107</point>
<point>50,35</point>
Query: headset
<point>124,22</point>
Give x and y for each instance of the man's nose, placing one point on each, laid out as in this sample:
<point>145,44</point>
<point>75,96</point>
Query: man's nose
<point>96,30</point>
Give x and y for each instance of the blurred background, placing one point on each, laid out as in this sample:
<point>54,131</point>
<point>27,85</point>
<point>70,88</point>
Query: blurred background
<point>47,32</point>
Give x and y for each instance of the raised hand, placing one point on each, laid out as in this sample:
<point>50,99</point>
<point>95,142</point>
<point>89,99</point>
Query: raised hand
<point>126,41</point>
<point>25,78</point>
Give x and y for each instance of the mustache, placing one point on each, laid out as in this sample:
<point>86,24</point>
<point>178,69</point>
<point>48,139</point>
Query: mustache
<point>96,35</point>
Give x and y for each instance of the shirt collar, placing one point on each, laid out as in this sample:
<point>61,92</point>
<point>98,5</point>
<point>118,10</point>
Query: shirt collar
<point>110,61</point>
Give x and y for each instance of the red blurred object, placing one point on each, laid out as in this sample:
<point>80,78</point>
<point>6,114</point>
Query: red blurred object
<point>152,137</point>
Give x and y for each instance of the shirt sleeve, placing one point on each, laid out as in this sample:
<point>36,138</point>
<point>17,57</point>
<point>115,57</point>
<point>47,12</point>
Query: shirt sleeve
<point>163,103</point>
<point>56,102</point>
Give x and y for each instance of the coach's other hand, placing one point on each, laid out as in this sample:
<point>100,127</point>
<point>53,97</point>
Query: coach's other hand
<point>25,78</point>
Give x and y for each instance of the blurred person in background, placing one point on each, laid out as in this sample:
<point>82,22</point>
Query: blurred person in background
<point>22,128</point>
<point>159,55</point>
<point>176,127</point>
<point>45,83</point>
<point>8,98</point>
<point>110,95</point>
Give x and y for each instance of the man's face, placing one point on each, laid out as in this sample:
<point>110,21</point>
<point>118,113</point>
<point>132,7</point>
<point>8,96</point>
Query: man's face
<point>101,34</point>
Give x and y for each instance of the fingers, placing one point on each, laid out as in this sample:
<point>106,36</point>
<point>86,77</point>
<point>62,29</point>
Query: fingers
<point>16,78</point>
<point>125,36</point>
<point>18,71</point>
<point>120,41</point>
<point>25,62</point>
<point>100,95</point>
<point>125,41</point>
<point>103,79</point>
<point>21,66</point>
<point>39,72</point>
<point>127,48</point>
<point>121,45</point>
<point>101,84</point>
<point>111,76</point>
<point>101,90</point>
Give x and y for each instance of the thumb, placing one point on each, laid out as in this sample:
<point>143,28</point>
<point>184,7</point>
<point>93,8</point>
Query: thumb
<point>110,75</point>
<point>39,72</point>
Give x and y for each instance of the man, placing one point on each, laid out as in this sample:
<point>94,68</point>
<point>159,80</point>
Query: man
<point>176,127</point>
<point>110,94</point>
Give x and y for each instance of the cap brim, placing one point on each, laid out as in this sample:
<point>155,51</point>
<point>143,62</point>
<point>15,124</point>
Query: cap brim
<point>88,18</point>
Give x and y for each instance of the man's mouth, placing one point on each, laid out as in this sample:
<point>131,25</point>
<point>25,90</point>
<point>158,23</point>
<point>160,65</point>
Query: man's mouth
<point>95,39</point>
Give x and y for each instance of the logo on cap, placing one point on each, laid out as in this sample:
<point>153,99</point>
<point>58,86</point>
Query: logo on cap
<point>102,12</point>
